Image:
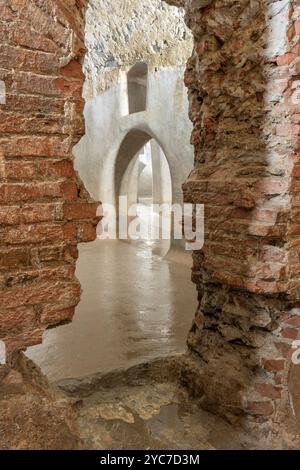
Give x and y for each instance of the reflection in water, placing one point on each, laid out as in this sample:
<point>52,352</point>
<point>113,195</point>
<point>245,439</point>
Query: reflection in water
<point>150,227</point>
<point>135,306</point>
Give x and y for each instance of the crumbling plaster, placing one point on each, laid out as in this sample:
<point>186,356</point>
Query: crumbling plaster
<point>120,33</point>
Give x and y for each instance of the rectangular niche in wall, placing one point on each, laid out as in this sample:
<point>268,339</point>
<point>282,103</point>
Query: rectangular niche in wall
<point>137,79</point>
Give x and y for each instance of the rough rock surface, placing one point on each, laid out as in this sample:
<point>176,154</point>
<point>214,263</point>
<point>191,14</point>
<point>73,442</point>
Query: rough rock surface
<point>132,31</point>
<point>32,414</point>
<point>137,408</point>
<point>143,408</point>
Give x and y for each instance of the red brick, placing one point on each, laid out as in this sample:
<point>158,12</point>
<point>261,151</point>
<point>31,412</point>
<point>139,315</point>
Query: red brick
<point>51,316</point>
<point>67,87</point>
<point>12,320</point>
<point>71,253</point>
<point>6,14</point>
<point>286,130</point>
<point>73,69</point>
<point>87,233</point>
<point>295,321</point>
<point>273,365</point>
<point>37,278</point>
<point>35,213</point>
<point>18,124</point>
<point>14,257</point>
<point>268,390</point>
<point>22,171</point>
<point>41,292</point>
<point>28,191</point>
<point>291,32</point>
<point>28,61</point>
<point>23,35</point>
<point>9,215</point>
<point>285,59</point>
<point>297,26</point>
<point>80,211</point>
<point>31,105</point>
<point>24,339</point>
<point>70,232</point>
<point>27,82</point>
<point>290,333</point>
<point>263,408</point>
<point>69,191</point>
<point>35,146</point>
<point>63,168</point>
<point>33,234</point>
<point>50,253</point>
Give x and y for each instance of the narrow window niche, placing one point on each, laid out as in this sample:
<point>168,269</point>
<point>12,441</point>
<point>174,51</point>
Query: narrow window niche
<point>137,80</point>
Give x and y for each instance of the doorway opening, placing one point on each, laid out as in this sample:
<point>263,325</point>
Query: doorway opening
<point>147,185</point>
<point>137,81</point>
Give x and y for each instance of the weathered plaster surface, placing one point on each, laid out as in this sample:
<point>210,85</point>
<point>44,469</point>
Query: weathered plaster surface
<point>166,120</point>
<point>120,33</point>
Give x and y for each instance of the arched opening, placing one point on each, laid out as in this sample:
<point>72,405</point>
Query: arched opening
<point>145,182</point>
<point>137,79</point>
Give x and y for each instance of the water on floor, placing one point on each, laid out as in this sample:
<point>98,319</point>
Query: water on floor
<point>151,416</point>
<point>144,408</point>
<point>135,306</point>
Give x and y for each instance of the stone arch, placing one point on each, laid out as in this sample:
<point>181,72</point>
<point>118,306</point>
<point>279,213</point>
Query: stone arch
<point>134,141</point>
<point>128,171</point>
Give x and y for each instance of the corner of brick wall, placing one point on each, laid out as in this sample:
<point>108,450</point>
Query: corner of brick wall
<point>45,210</point>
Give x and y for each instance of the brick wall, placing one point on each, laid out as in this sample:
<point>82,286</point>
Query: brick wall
<point>241,80</point>
<point>45,211</point>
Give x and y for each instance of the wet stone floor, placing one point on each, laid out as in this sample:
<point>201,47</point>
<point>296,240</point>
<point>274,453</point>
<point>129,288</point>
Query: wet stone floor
<point>142,409</point>
<point>135,306</point>
<point>118,359</point>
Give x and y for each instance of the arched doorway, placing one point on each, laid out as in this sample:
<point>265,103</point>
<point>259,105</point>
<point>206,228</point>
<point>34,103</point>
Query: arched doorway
<point>142,176</point>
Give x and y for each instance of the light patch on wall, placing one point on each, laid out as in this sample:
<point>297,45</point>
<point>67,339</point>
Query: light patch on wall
<point>2,92</point>
<point>2,353</point>
<point>278,13</point>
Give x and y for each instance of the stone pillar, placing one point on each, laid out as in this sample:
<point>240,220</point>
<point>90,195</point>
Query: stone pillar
<point>129,185</point>
<point>242,81</point>
<point>162,184</point>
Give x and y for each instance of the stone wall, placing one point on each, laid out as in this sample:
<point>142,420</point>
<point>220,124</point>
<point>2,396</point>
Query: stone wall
<point>242,80</point>
<point>45,211</point>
